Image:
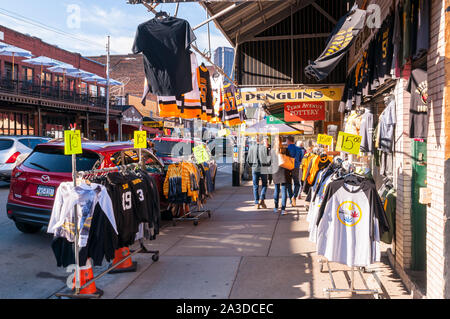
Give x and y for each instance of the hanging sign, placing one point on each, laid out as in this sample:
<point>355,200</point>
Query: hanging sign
<point>72,142</point>
<point>275,119</point>
<point>348,143</point>
<point>294,95</point>
<point>324,139</point>
<point>169,124</point>
<point>140,139</point>
<point>304,111</point>
<point>153,123</point>
<point>200,154</point>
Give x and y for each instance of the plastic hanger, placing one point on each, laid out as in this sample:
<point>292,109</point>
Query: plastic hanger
<point>161,15</point>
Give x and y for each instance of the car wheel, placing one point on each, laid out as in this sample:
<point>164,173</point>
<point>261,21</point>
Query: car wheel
<point>28,228</point>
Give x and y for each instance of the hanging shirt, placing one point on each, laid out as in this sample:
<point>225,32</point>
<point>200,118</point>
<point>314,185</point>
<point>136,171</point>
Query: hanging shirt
<point>125,205</point>
<point>397,44</point>
<point>418,87</point>
<point>366,132</point>
<point>423,28</point>
<point>350,221</point>
<point>232,106</point>
<point>85,197</point>
<point>206,98</point>
<point>386,50</point>
<point>407,21</point>
<point>165,44</point>
<point>387,127</point>
<point>217,91</point>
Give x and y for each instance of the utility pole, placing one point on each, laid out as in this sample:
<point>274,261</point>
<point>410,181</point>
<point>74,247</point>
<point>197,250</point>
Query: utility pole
<point>107,91</point>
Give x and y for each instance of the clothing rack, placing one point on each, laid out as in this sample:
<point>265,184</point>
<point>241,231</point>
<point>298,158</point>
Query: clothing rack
<point>189,215</point>
<point>141,249</point>
<point>352,288</point>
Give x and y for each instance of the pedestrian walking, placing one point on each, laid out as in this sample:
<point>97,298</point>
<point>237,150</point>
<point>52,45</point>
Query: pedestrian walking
<point>300,144</point>
<point>297,153</point>
<point>281,178</point>
<point>259,160</point>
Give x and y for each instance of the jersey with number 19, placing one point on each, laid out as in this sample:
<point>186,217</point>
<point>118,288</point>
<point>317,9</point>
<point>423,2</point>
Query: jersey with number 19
<point>124,203</point>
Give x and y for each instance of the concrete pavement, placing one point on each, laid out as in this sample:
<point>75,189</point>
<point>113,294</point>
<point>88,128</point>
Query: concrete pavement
<point>241,252</point>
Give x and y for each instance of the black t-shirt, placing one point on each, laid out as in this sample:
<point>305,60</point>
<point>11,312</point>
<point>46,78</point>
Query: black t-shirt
<point>165,44</point>
<point>124,204</point>
<point>418,87</point>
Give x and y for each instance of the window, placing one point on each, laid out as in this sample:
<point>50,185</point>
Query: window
<point>47,79</point>
<point>93,90</point>
<point>59,80</point>
<point>28,74</point>
<point>53,160</point>
<point>102,91</point>
<point>5,144</point>
<point>32,142</point>
<point>131,156</point>
<point>83,88</point>
<point>172,148</point>
<point>9,71</point>
<point>70,84</point>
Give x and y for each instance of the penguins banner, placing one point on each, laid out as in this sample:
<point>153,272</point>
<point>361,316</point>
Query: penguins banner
<point>340,40</point>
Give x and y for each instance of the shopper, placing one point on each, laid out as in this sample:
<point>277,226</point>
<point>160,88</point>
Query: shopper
<point>300,144</point>
<point>281,178</point>
<point>259,160</point>
<point>295,152</point>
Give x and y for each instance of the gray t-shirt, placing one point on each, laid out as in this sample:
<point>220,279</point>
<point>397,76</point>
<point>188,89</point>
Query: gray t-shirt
<point>366,132</point>
<point>387,124</point>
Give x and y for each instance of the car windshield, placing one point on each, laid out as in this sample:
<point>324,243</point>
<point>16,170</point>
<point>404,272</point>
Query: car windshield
<point>5,144</point>
<point>54,160</point>
<point>172,148</point>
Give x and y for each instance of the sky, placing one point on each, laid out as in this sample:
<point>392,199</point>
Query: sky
<point>83,25</point>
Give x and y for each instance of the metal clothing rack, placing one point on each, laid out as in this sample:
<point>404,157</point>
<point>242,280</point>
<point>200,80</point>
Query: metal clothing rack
<point>191,215</point>
<point>141,249</point>
<point>352,288</point>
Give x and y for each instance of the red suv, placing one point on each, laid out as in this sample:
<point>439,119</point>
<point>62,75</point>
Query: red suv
<point>35,180</point>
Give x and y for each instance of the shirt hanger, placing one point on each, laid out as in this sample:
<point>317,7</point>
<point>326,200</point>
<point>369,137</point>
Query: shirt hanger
<point>161,15</point>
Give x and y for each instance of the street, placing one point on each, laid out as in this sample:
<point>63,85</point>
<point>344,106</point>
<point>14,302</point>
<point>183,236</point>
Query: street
<point>28,267</point>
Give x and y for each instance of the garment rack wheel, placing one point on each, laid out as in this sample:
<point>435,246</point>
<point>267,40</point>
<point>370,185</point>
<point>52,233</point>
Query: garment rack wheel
<point>195,222</point>
<point>209,214</point>
<point>155,257</point>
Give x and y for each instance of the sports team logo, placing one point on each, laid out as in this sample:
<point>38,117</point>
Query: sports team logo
<point>349,213</point>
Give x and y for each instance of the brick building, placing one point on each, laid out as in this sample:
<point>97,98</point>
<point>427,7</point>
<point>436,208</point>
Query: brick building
<point>420,251</point>
<point>129,69</point>
<point>46,103</point>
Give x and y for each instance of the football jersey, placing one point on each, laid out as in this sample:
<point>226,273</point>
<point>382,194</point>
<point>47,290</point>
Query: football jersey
<point>350,222</point>
<point>231,106</point>
<point>206,98</point>
<point>124,204</point>
<point>217,89</point>
<point>186,105</point>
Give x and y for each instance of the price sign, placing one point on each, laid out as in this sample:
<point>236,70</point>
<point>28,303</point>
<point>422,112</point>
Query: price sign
<point>200,154</point>
<point>72,142</point>
<point>324,139</point>
<point>348,143</point>
<point>140,139</point>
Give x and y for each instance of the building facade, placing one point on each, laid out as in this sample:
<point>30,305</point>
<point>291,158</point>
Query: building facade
<point>35,101</point>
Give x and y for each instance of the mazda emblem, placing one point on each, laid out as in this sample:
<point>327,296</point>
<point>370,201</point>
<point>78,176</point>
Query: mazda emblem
<point>45,178</point>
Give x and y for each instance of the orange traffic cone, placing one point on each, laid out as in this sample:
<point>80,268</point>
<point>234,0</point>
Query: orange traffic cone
<point>86,274</point>
<point>127,266</point>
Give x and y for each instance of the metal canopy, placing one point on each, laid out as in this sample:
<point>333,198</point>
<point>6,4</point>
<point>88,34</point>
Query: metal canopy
<point>296,30</point>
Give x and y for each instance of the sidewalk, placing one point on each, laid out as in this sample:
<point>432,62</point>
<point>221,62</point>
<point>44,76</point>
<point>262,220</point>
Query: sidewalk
<point>241,252</point>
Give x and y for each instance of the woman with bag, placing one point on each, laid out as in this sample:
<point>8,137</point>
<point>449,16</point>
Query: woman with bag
<point>282,166</point>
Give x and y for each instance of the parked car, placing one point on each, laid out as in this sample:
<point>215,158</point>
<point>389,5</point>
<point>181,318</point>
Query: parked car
<point>34,181</point>
<point>222,148</point>
<point>173,149</point>
<point>14,149</point>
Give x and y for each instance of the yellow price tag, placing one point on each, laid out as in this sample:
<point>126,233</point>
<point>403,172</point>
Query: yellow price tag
<point>348,143</point>
<point>72,142</point>
<point>140,139</point>
<point>200,154</point>
<point>324,139</point>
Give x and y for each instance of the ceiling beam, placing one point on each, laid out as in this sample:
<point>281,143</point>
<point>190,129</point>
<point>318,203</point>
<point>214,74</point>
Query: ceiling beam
<point>326,14</point>
<point>254,30</point>
<point>289,37</point>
